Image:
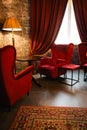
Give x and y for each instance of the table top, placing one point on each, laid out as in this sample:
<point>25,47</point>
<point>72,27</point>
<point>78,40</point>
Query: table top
<point>30,58</point>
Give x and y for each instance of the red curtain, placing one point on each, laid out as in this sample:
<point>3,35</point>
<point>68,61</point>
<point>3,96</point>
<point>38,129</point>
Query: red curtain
<point>80,8</point>
<point>45,20</point>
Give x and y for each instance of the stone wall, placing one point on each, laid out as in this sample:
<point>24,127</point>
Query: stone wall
<point>20,10</point>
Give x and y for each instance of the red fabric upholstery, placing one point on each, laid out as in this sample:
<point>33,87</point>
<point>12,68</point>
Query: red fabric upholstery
<point>12,86</point>
<point>61,54</point>
<point>70,66</point>
<point>82,52</point>
<point>82,47</point>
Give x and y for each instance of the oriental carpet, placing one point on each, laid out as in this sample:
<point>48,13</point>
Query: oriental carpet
<point>49,118</point>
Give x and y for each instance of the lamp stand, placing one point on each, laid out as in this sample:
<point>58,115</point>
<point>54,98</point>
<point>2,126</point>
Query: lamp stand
<point>13,37</point>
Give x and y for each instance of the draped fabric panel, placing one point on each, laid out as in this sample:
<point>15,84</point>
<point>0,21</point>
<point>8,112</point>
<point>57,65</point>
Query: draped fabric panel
<point>80,8</point>
<point>45,20</point>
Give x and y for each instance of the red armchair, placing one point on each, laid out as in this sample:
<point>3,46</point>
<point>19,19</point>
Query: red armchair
<point>82,47</point>
<point>61,54</point>
<point>12,86</point>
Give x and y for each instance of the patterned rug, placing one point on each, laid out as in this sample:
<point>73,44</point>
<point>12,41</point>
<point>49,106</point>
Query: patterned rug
<point>49,118</point>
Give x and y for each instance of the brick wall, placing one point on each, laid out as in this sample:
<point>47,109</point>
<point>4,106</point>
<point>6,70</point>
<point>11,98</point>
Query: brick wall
<point>20,10</point>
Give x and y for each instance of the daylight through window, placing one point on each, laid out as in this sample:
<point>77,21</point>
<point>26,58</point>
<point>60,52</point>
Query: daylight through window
<point>68,32</point>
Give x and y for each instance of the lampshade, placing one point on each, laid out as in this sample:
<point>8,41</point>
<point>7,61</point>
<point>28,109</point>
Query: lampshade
<point>12,24</point>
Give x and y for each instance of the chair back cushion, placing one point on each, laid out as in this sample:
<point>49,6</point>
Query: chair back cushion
<point>62,52</point>
<point>7,62</point>
<point>82,48</point>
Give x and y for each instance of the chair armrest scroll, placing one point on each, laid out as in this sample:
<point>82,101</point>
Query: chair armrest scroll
<point>28,70</point>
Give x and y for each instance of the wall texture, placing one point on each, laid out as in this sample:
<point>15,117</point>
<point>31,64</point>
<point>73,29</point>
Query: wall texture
<point>20,10</point>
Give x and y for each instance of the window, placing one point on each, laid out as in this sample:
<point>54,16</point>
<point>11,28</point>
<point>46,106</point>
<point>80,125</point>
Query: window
<point>68,32</point>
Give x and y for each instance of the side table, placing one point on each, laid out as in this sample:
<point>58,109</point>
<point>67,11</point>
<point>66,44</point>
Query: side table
<point>30,59</point>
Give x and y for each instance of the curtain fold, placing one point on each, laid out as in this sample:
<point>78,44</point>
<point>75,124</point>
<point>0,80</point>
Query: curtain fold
<point>80,8</point>
<point>45,20</point>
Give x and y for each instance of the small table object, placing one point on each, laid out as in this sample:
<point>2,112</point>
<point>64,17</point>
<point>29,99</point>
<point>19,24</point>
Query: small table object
<point>30,59</point>
<point>71,67</point>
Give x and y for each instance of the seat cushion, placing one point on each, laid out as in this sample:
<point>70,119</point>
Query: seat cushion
<point>48,67</point>
<point>48,70</point>
<point>85,65</point>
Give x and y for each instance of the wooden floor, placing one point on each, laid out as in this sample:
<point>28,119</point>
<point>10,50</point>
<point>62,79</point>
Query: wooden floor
<point>52,93</point>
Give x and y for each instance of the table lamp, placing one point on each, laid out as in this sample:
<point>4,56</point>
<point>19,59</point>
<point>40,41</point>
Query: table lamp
<point>12,24</point>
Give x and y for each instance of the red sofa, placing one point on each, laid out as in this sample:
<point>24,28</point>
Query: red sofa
<point>61,54</point>
<point>12,86</point>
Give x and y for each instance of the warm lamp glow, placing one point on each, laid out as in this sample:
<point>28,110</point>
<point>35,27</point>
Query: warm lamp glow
<point>12,24</point>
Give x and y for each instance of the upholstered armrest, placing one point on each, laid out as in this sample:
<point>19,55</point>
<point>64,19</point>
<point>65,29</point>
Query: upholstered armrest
<point>61,60</point>
<point>24,72</point>
<point>46,60</point>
